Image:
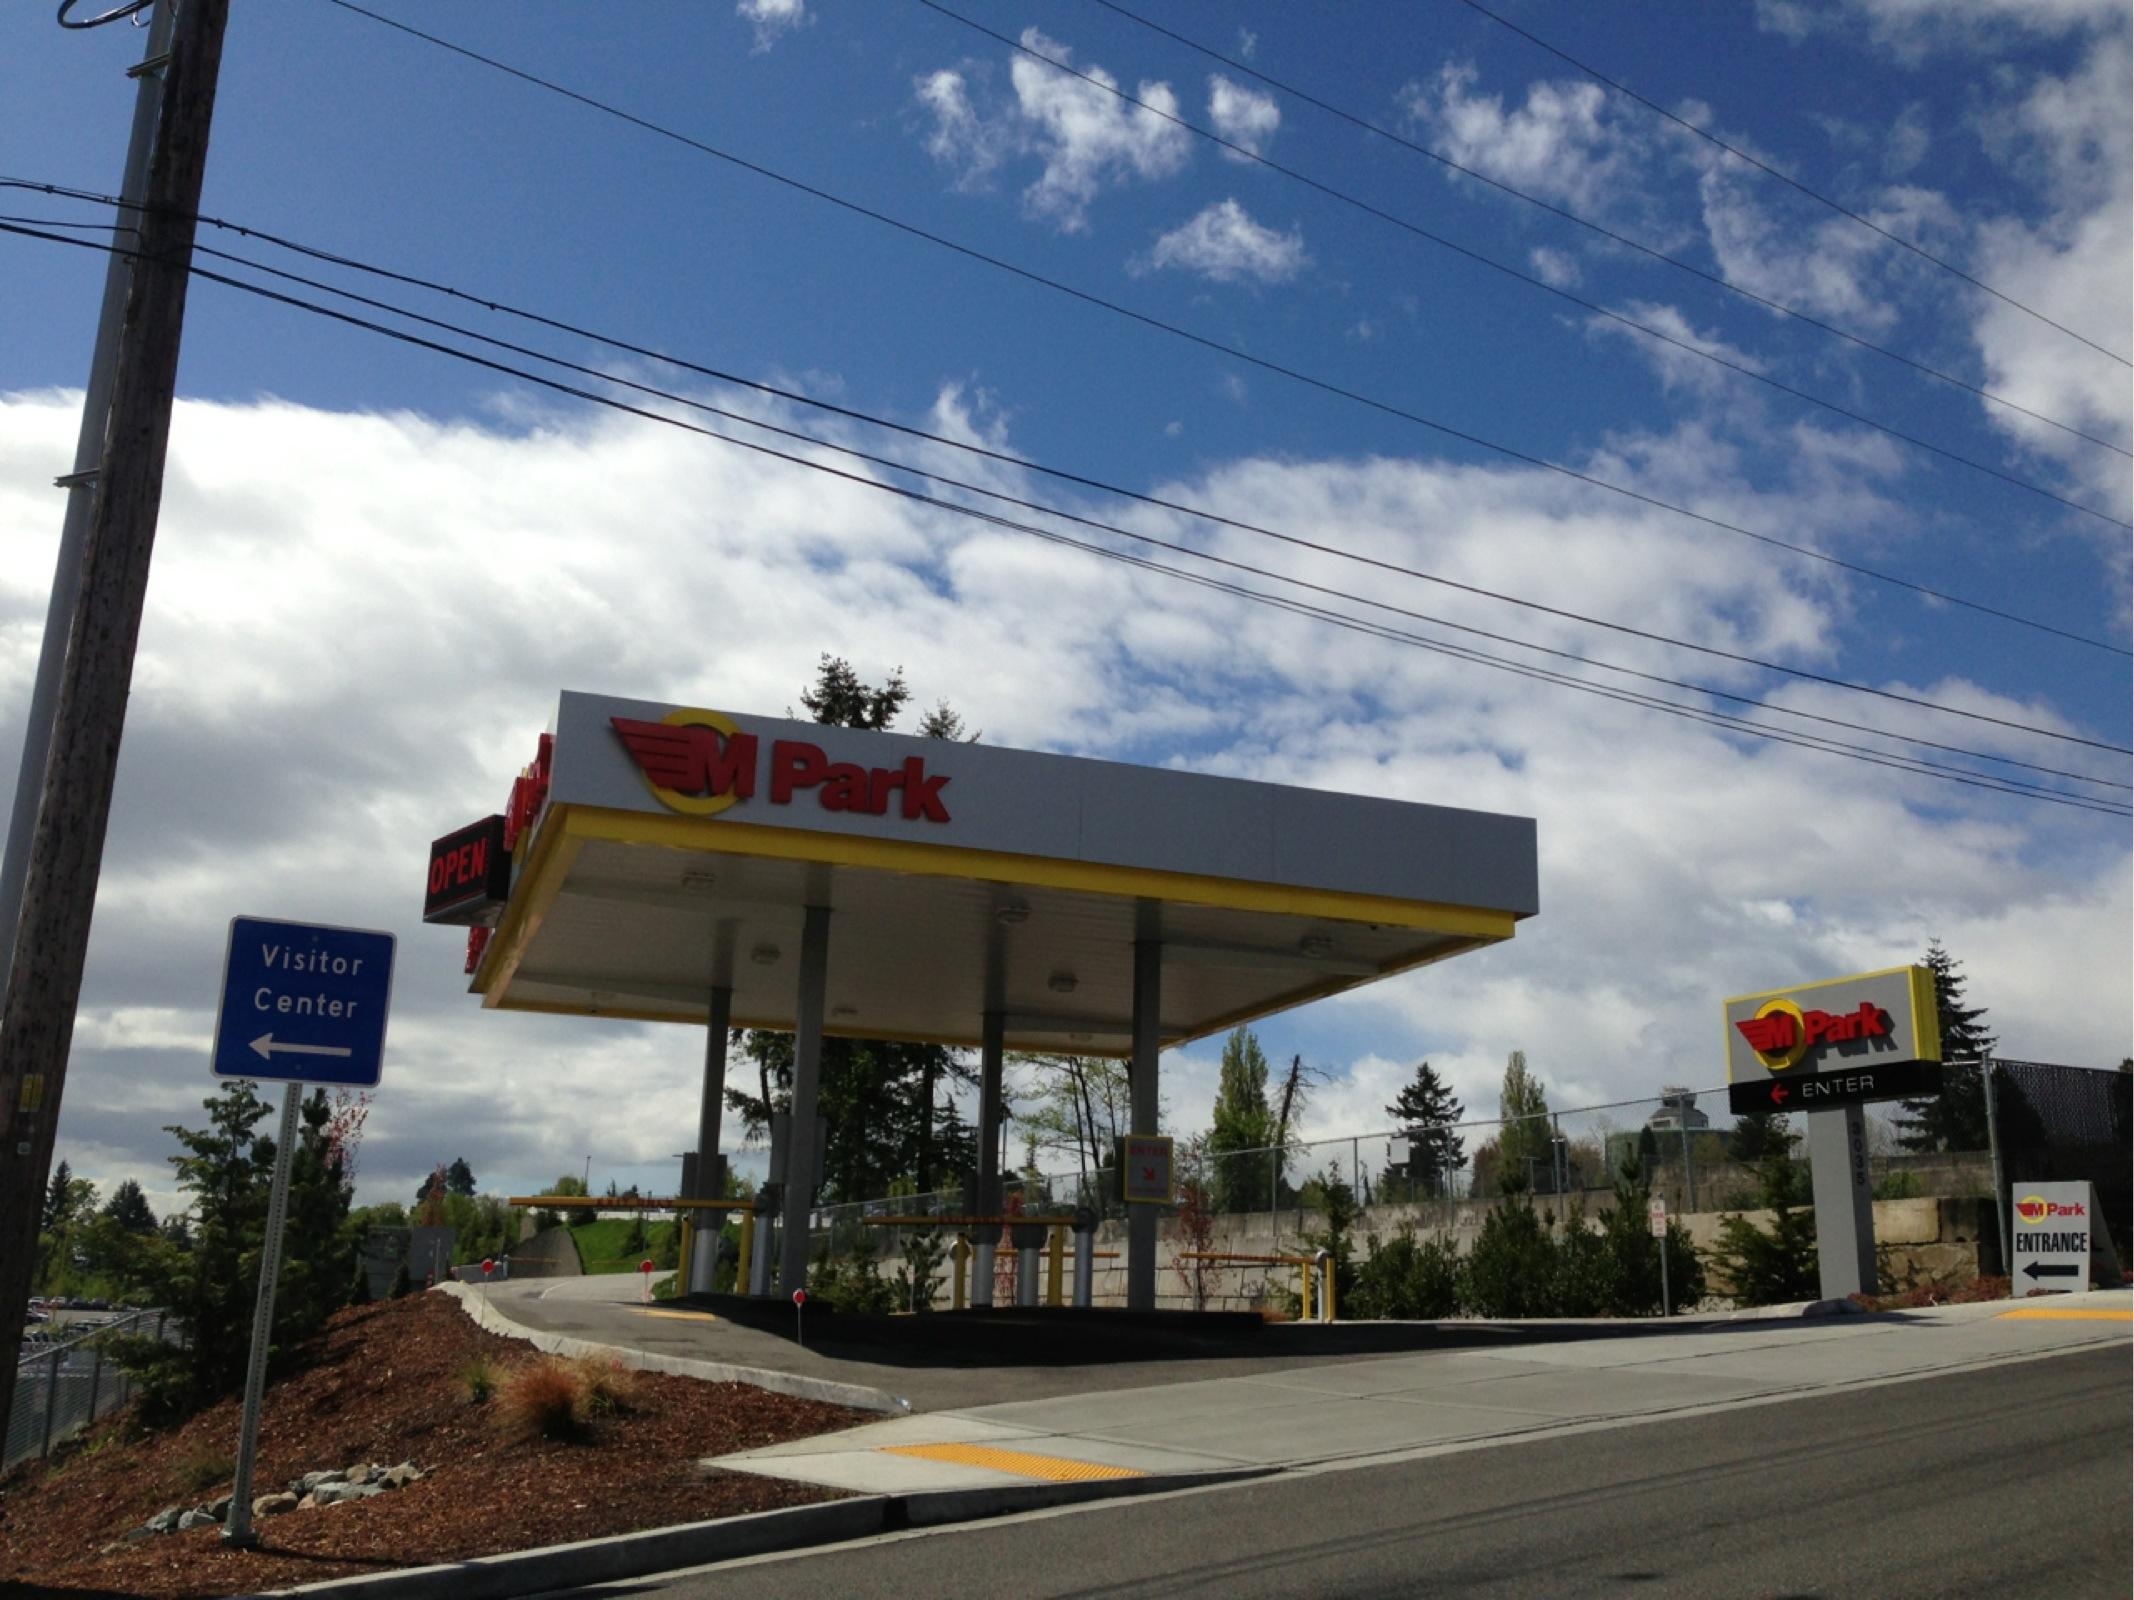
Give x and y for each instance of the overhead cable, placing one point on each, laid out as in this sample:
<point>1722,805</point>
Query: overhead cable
<point>1205,342</point>
<point>1790,181</point>
<point>1245,152</point>
<point>2005,785</point>
<point>1023,463</point>
<point>1601,229</point>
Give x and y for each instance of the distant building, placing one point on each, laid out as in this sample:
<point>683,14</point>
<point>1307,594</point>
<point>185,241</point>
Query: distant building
<point>1678,1110</point>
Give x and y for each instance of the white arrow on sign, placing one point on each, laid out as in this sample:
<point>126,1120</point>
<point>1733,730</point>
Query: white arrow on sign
<point>267,1049</point>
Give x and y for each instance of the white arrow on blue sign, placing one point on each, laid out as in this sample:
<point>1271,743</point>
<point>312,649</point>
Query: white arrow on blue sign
<point>303,1003</point>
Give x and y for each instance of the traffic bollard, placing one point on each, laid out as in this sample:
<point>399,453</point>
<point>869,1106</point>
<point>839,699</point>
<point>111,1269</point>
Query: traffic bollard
<point>1055,1253</point>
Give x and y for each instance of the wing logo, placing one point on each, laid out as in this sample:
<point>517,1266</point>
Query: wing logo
<point>1770,1035</point>
<point>695,762</point>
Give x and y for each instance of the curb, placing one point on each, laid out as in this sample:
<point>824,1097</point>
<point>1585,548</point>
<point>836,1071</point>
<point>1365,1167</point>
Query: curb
<point>697,1544</point>
<point>859,1396</point>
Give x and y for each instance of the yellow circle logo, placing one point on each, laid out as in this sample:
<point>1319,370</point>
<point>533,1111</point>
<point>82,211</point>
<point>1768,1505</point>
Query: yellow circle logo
<point>1788,1039</point>
<point>694,762</point>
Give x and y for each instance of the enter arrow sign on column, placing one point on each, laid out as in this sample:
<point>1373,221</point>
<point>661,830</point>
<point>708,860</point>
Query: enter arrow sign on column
<point>2036,1270</point>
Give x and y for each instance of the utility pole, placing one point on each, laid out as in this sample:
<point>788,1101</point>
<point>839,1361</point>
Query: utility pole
<point>88,450</point>
<point>89,715</point>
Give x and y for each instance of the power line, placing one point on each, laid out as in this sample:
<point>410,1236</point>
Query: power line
<point>1885,758</point>
<point>1101,485</point>
<point>1789,180</point>
<point>1044,508</point>
<point>1205,342</point>
<point>1247,153</point>
<point>1602,229</point>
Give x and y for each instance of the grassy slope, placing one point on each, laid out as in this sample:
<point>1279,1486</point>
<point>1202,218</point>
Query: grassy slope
<point>600,1244</point>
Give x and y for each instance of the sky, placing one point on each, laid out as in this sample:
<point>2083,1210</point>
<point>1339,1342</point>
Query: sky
<point>377,565</point>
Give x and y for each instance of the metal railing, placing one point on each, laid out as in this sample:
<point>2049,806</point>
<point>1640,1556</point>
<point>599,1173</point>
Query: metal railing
<point>63,1387</point>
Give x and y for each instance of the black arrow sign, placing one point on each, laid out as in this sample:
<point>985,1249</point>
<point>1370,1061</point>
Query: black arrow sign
<point>2036,1271</point>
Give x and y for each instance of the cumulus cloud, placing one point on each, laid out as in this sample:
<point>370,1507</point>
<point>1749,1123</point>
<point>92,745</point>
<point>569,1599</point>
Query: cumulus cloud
<point>1084,136</point>
<point>1563,145</point>
<point>1224,243</point>
<point>359,622</point>
<point>1557,268</point>
<point>771,18</point>
<point>1244,116</point>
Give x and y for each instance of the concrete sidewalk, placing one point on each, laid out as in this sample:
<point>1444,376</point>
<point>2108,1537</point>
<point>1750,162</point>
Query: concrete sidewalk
<point>1334,1412</point>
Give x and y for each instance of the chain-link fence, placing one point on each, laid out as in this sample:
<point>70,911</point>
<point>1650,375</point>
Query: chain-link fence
<point>68,1382</point>
<point>1683,1145</point>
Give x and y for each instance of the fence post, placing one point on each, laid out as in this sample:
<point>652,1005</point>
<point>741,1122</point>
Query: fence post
<point>1689,1170</point>
<point>2000,1177</point>
<point>51,1399</point>
<point>96,1380</point>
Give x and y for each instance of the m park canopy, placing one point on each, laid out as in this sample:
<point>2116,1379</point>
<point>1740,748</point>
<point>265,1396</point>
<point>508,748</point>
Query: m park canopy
<point>674,864</point>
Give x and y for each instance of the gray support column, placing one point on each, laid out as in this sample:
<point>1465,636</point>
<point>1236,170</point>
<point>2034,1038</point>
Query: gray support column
<point>800,1175</point>
<point>1141,1219</point>
<point>990,1058</point>
<point>1844,1202</point>
<point>705,1226</point>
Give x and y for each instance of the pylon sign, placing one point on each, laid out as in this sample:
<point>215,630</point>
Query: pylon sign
<point>1838,1042</point>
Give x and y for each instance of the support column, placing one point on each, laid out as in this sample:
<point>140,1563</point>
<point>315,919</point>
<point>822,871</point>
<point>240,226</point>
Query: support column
<point>1844,1202</point>
<point>990,1057</point>
<point>707,1226</point>
<point>1141,1219</point>
<point>800,1174</point>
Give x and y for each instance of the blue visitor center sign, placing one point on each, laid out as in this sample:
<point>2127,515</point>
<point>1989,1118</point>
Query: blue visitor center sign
<point>303,1003</point>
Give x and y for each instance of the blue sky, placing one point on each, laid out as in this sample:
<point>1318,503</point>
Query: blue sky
<point>360,483</point>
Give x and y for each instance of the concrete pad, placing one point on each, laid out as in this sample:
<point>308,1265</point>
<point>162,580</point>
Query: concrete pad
<point>1401,1374</point>
<point>1569,1396</point>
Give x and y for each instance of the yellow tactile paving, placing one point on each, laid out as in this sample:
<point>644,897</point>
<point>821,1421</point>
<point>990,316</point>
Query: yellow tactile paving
<point>2071,1314</point>
<point>1057,1469</point>
<point>678,1316</point>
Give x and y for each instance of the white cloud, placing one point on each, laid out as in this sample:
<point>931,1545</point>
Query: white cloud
<point>1557,268</point>
<point>318,696</point>
<point>1562,145</point>
<point>771,18</point>
<point>1085,136</point>
<point>1224,243</point>
<point>1246,117</point>
<point>1677,367</point>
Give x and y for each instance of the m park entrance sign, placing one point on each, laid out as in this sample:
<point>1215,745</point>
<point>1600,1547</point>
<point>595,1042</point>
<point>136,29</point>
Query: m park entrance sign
<point>720,870</point>
<point>1828,1049</point>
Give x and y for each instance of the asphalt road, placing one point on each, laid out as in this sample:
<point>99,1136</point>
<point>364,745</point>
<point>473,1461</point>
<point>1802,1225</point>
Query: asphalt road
<point>2011,1481</point>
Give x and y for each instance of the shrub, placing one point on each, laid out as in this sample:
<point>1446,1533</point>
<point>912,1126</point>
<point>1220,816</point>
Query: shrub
<point>1899,1185</point>
<point>203,1467</point>
<point>1583,1283</point>
<point>1511,1271</point>
<point>479,1376</point>
<point>918,1283</point>
<point>609,1387</point>
<point>544,1397</point>
<point>1775,1265</point>
<point>1635,1254</point>
<point>403,1284</point>
<point>1408,1277</point>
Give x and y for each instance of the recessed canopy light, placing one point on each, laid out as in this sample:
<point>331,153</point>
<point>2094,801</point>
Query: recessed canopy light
<point>1061,983</point>
<point>764,955</point>
<point>1316,945</point>
<point>698,881</point>
<point>1011,913</point>
<point>844,1011</point>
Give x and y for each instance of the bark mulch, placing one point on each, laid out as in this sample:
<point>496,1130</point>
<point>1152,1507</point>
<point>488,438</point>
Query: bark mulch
<point>387,1383</point>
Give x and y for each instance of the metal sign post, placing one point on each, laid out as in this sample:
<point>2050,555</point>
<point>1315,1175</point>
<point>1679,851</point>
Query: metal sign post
<point>238,1529</point>
<point>1656,1219</point>
<point>302,1004</point>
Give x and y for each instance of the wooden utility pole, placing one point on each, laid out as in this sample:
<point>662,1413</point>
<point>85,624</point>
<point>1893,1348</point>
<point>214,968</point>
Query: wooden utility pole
<point>66,854</point>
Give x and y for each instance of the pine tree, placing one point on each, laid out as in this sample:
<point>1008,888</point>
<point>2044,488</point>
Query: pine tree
<point>459,1178</point>
<point>1756,1134</point>
<point>1242,1129</point>
<point>1775,1265</point>
<point>128,1207</point>
<point>56,1199</point>
<point>1954,1119</point>
<point>1427,1112</point>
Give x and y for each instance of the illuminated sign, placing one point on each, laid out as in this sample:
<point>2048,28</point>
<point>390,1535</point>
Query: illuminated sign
<point>470,875</point>
<point>701,762</point>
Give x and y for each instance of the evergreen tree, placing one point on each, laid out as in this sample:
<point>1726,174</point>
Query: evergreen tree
<point>128,1207</point>
<point>1525,1139</point>
<point>1427,1111</point>
<point>878,1096</point>
<point>57,1199</point>
<point>1756,1134</point>
<point>1954,1119</point>
<point>1775,1265</point>
<point>1242,1130</point>
<point>459,1178</point>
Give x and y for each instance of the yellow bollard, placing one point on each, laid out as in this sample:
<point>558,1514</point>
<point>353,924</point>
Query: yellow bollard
<point>959,1253</point>
<point>1326,1290</point>
<point>1057,1260</point>
<point>748,1241</point>
<point>1304,1291</point>
<point>688,1261</point>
